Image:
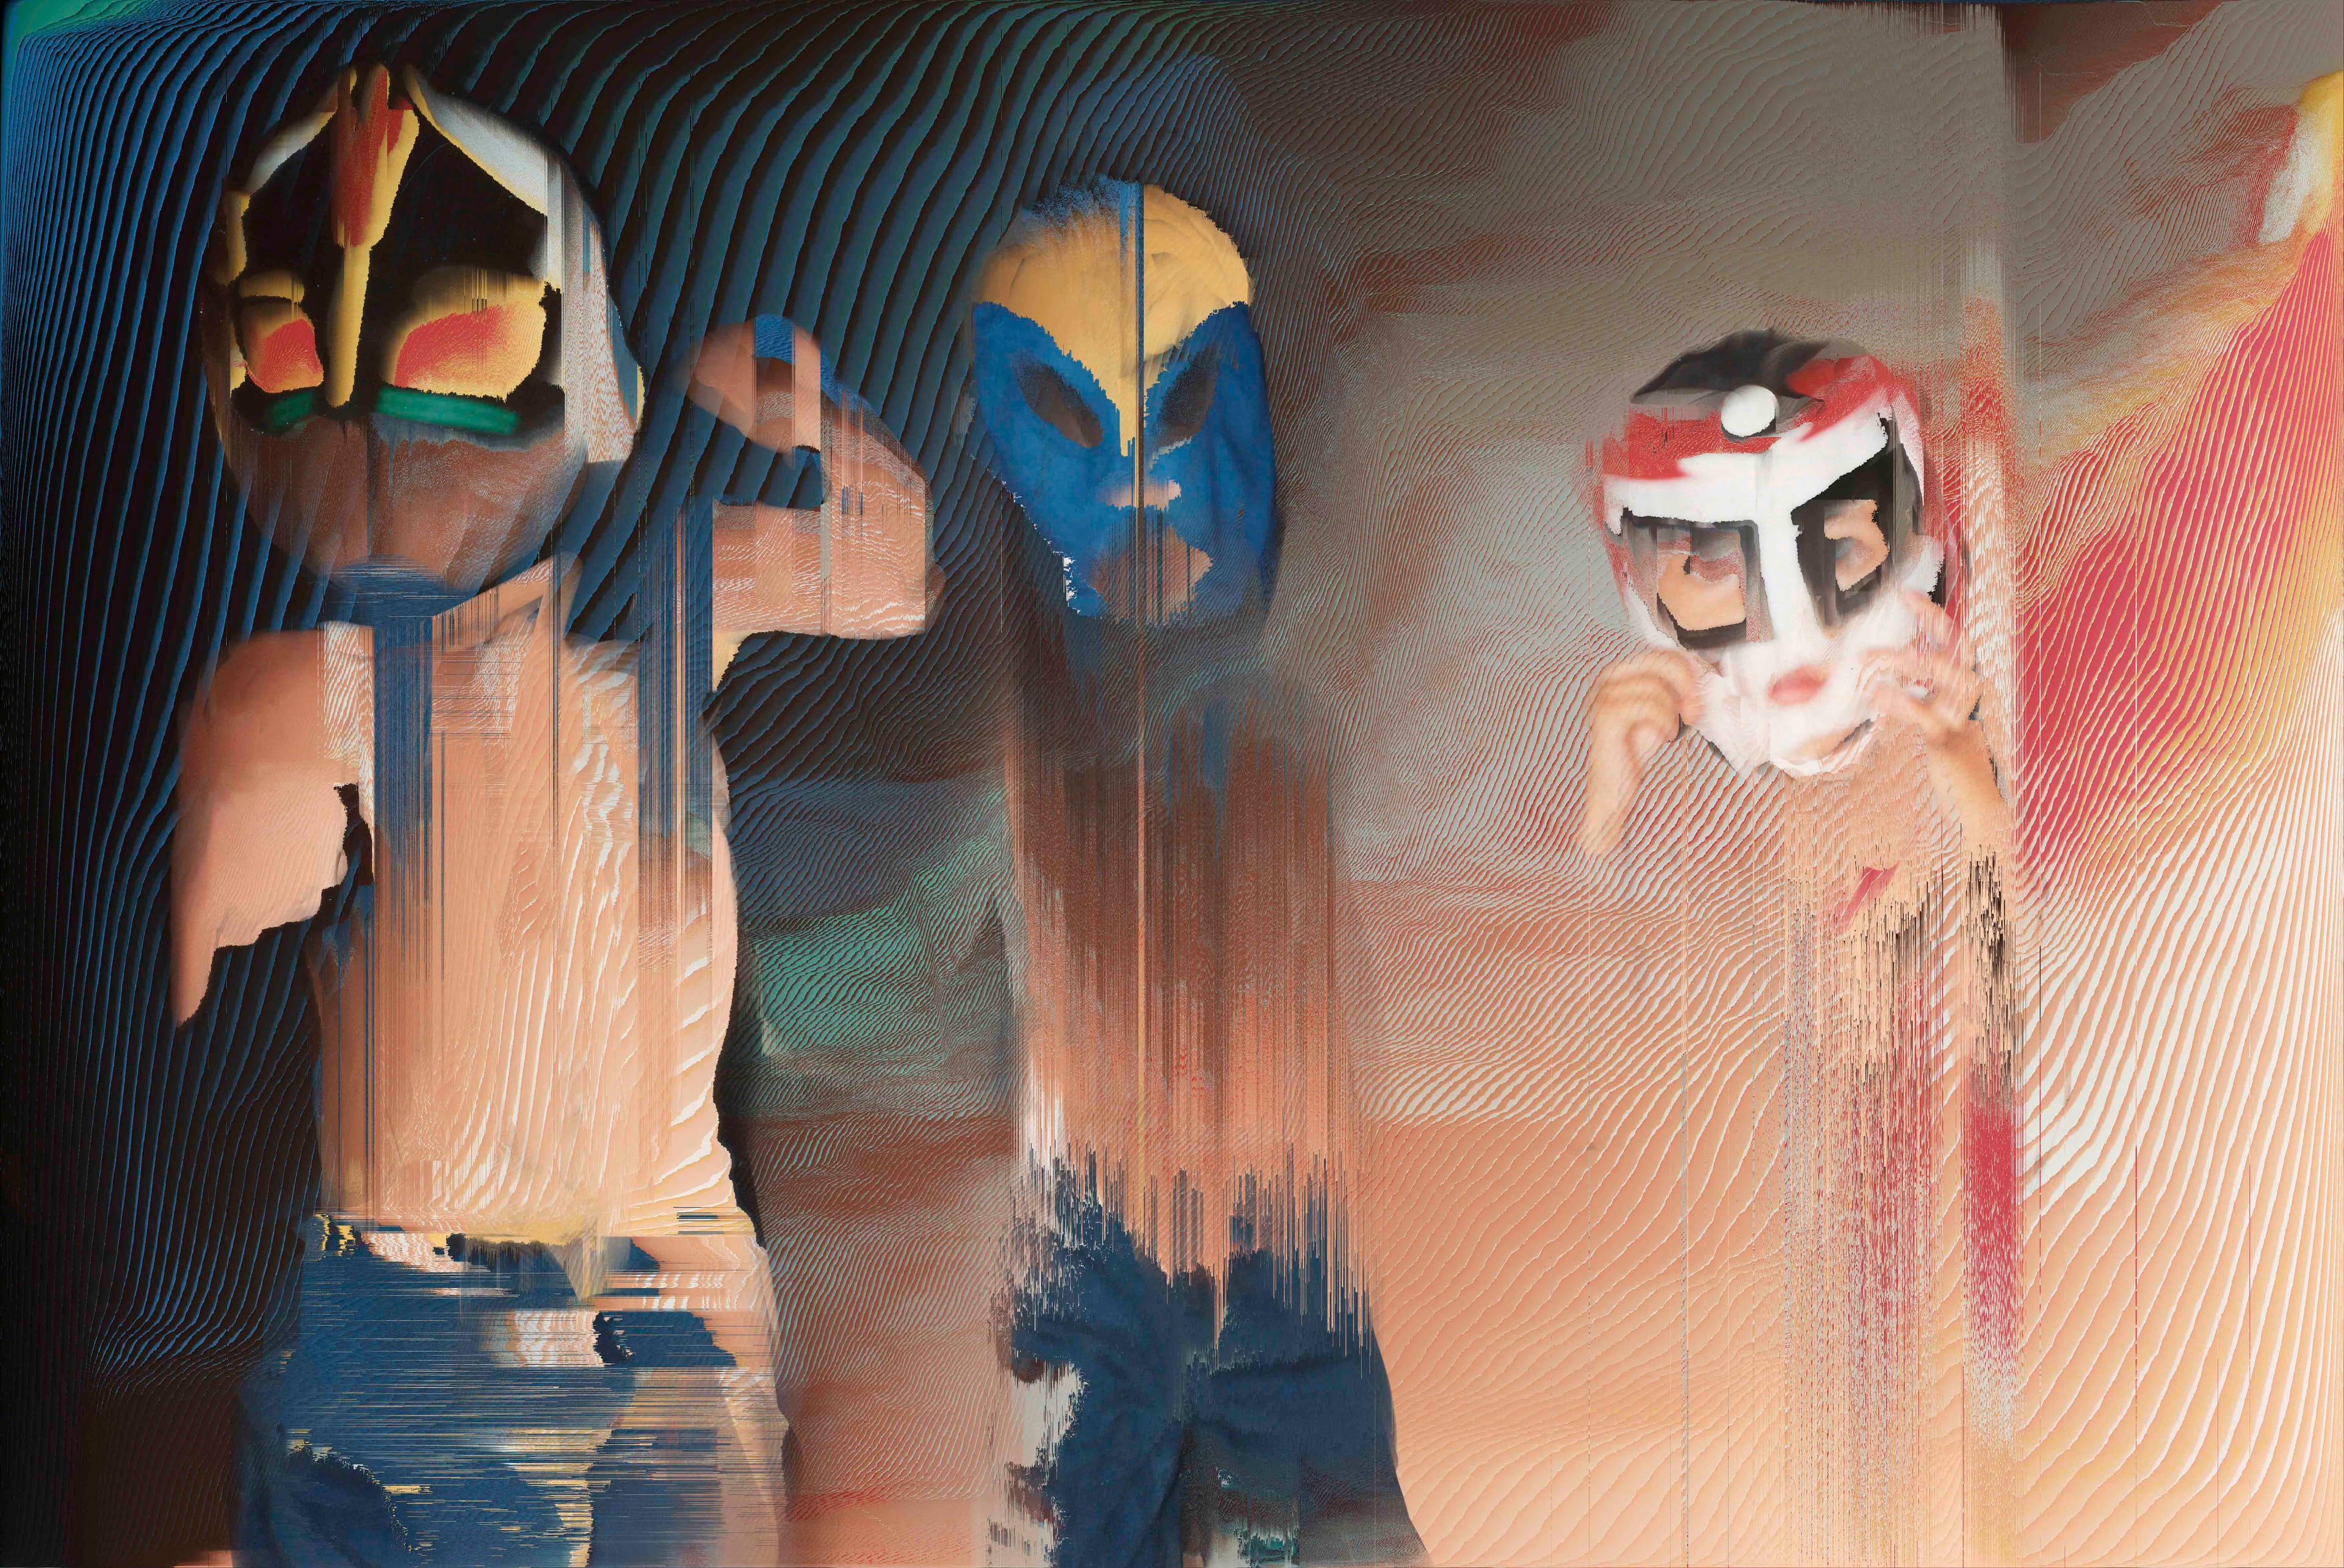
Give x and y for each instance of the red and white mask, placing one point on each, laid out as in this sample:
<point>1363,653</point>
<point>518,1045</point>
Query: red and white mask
<point>1763,511</point>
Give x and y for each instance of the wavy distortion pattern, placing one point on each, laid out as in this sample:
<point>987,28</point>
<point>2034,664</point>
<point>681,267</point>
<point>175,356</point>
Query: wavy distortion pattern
<point>1711,1216</point>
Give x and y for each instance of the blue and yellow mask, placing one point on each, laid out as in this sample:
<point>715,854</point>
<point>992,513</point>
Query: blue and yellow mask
<point>1121,384</point>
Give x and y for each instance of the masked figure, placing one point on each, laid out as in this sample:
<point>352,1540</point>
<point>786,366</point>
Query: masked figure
<point>1122,388</point>
<point>534,1325</point>
<point>1763,510</point>
<point>1771,526</point>
<point>1191,1375</point>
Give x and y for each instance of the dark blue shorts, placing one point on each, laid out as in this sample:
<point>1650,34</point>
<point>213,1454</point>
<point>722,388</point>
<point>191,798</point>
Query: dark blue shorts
<point>392,1429</point>
<point>1265,1426</point>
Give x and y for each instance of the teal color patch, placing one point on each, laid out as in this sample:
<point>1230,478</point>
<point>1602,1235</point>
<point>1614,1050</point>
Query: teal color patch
<point>284,413</point>
<point>445,408</point>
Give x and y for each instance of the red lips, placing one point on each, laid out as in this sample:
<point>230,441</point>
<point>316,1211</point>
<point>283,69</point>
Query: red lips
<point>1799,686</point>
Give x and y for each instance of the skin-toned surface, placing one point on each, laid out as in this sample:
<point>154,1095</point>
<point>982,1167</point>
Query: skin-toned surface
<point>1933,689</point>
<point>1697,596</point>
<point>1620,1184</point>
<point>1177,1034</point>
<point>1184,1095</point>
<point>1621,1303</point>
<point>1646,701</point>
<point>193,1223</point>
<point>856,567</point>
<point>1854,521</point>
<point>754,394</point>
<point>519,1047</point>
<point>261,826</point>
<point>1163,575</point>
<point>532,959</point>
<point>1641,703</point>
<point>502,1070</point>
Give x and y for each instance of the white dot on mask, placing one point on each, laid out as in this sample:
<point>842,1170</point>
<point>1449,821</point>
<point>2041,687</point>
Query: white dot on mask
<point>1746,411</point>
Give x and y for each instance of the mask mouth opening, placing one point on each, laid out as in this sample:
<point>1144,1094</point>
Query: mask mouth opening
<point>1849,745</point>
<point>1151,575</point>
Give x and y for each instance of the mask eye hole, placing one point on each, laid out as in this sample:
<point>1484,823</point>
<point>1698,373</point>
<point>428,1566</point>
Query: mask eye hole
<point>279,343</point>
<point>468,332</point>
<point>1699,577</point>
<point>1188,400</point>
<point>1057,403</point>
<point>1849,535</point>
<point>1859,548</point>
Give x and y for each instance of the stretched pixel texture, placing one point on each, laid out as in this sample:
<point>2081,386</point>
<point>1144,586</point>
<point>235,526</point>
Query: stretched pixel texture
<point>1794,1185</point>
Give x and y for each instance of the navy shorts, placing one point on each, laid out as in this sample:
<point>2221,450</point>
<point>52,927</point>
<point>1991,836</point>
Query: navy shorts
<point>1259,1427</point>
<point>472,1412</point>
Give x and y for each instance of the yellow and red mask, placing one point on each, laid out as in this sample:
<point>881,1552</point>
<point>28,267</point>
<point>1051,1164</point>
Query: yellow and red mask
<point>410,337</point>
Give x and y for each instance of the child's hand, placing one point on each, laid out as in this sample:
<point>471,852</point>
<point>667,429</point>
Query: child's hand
<point>1640,704</point>
<point>1933,687</point>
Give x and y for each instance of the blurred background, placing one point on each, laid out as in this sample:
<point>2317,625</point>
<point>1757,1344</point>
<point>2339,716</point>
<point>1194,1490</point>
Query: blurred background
<point>1698,1229</point>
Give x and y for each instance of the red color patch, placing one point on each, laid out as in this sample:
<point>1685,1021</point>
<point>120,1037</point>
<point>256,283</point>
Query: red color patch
<point>468,345</point>
<point>2133,640</point>
<point>1654,445</point>
<point>286,359</point>
<point>366,134</point>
